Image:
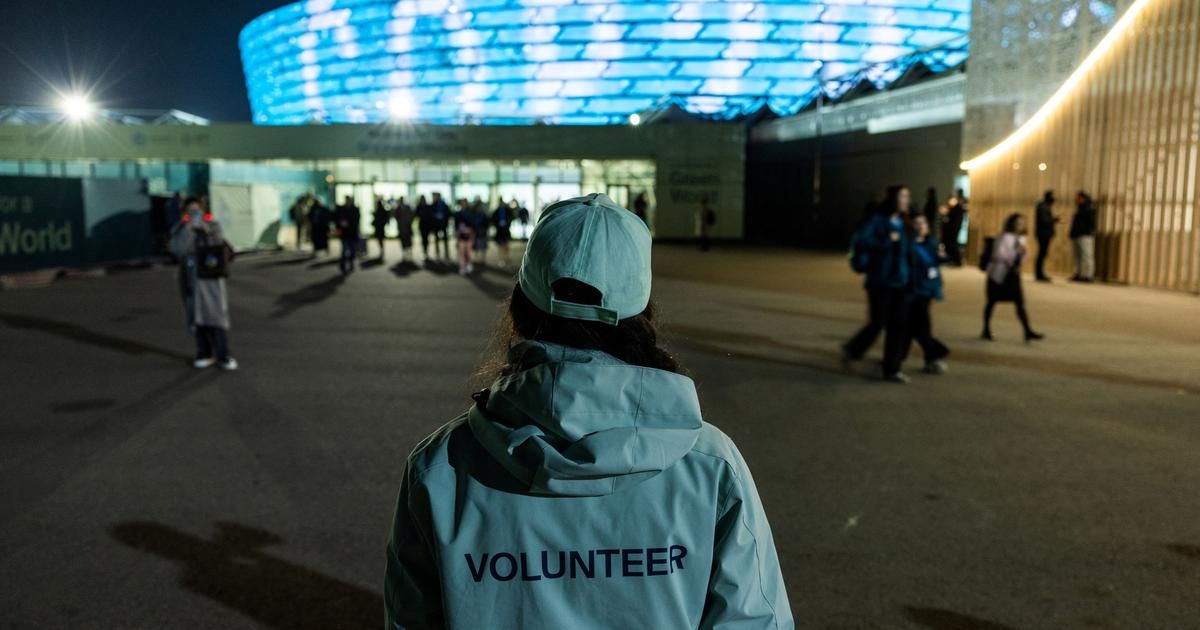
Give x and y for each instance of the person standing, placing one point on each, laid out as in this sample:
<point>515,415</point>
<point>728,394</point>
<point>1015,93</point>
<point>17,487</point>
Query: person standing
<point>1004,276</point>
<point>930,211</point>
<point>641,207</point>
<point>198,242</point>
<point>426,224</point>
<point>884,244</point>
<point>621,507</point>
<point>464,231</point>
<point>1046,222</point>
<point>441,224</point>
<point>318,221</point>
<point>379,221</point>
<point>705,220</point>
<point>926,288</point>
<point>502,220</point>
<point>1083,236</point>
<point>404,228</point>
<point>348,218</point>
<point>951,227</point>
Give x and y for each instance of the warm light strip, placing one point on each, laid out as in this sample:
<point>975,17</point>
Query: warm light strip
<point>1122,28</point>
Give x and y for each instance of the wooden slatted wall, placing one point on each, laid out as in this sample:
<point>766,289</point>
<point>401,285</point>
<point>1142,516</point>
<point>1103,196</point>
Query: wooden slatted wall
<point>1129,134</point>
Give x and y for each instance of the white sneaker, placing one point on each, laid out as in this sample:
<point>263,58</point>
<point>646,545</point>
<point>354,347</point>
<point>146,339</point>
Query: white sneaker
<point>936,367</point>
<point>229,364</point>
<point>896,377</point>
<point>200,364</point>
<point>470,268</point>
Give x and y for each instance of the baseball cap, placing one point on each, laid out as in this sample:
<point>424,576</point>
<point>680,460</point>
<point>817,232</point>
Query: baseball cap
<point>594,241</point>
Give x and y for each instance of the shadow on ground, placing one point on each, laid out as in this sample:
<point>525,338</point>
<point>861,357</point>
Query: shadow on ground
<point>307,295</point>
<point>78,333</point>
<point>232,569</point>
<point>939,619</point>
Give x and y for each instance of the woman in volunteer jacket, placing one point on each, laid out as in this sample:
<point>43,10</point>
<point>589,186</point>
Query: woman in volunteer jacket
<point>1004,276</point>
<point>926,287</point>
<point>885,242</point>
<point>582,489</point>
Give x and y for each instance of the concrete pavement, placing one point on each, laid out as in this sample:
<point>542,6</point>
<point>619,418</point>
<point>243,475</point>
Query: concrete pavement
<point>1034,486</point>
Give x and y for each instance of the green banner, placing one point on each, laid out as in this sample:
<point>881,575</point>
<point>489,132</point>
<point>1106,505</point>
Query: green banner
<point>41,223</point>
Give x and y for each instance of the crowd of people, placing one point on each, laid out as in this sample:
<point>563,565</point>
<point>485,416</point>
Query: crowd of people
<point>475,227</point>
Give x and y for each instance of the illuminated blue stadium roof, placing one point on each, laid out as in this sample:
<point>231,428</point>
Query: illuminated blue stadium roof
<point>579,61</point>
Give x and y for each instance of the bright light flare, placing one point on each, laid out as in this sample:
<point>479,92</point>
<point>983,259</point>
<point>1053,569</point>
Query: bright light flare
<point>77,107</point>
<point>635,119</point>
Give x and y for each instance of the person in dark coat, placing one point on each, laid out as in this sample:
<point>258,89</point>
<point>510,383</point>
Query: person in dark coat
<point>318,220</point>
<point>441,224</point>
<point>502,220</point>
<point>348,218</point>
<point>930,211</point>
<point>1004,276</point>
<point>1046,220</point>
<point>379,221</point>
<point>1083,236</point>
<point>926,288</point>
<point>956,212</point>
<point>886,243</point>
<point>404,227</point>
<point>641,207</point>
<point>427,226</point>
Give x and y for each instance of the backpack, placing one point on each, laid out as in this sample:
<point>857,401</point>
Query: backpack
<point>860,259</point>
<point>212,259</point>
<point>985,256</point>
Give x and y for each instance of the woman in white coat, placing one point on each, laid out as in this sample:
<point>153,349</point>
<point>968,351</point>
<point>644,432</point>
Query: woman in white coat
<point>1004,276</point>
<point>199,244</point>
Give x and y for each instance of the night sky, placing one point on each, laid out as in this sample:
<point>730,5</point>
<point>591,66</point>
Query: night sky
<point>162,54</point>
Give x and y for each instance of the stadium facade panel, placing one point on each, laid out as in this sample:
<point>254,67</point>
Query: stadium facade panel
<point>578,61</point>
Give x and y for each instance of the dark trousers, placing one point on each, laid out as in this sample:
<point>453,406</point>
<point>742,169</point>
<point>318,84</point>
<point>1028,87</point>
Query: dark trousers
<point>887,310</point>
<point>443,242</point>
<point>349,252</point>
<point>1021,315</point>
<point>920,330</point>
<point>379,236</point>
<point>1043,249</point>
<point>212,342</point>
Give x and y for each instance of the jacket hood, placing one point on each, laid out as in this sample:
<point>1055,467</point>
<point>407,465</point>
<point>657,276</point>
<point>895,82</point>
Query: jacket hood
<point>571,422</point>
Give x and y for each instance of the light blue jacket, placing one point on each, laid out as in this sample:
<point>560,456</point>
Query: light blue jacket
<point>581,492</point>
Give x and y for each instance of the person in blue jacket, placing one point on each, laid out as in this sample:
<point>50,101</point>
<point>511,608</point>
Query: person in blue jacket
<point>582,489</point>
<point>885,243</point>
<point>926,287</point>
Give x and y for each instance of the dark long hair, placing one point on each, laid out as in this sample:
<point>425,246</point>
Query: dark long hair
<point>634,340</point>
<point>891,200</point>
<point>1010,224</point>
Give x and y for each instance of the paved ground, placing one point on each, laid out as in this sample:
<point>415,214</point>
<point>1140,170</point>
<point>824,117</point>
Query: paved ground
<point>1045,486</point>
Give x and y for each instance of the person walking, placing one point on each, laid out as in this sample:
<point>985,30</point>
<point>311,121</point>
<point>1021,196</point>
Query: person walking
<point>404,229</point>
<point>926,288</point>
<point>1083,237</point>
<point>441,224</point>
<point>620,506</point>
<point>379,221</point>
<point>198,242</point>
<point>1004,276</point>
<point>348,218</point>
<point>502,220</point>
<point>1046,221</point>
<point>319,219</point>
<point>956,213</point>
<point>884,247</point>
